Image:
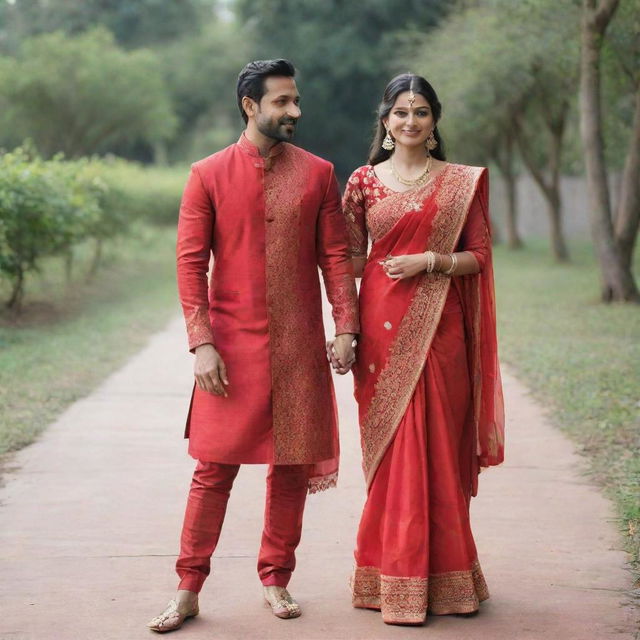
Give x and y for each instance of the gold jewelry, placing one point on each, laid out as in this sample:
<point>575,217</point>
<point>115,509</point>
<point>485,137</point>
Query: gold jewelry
<point>431,261</point>
<point>454,264</point>
<point>431,143</point>
<point>411,98</point>
<point>419,180</point>
<point>388,144</point>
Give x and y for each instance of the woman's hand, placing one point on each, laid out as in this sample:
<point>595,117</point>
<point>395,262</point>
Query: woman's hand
<point>399,267</point>
<point>340,353</point>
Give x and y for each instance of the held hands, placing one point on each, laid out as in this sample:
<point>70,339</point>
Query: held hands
<point>209,370</point>
<point>399,267</point>
<point>340,352</point>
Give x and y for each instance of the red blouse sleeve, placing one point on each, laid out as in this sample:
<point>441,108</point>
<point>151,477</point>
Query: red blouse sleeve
<point>354,211</point>
<point>475,237</point>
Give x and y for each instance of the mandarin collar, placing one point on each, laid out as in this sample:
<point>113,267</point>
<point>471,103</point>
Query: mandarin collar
<point>248,147</point>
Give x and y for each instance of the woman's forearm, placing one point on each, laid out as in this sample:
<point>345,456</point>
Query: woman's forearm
<point>461,263</point>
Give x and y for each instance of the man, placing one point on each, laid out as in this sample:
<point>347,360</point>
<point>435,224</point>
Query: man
<point>270,214</point>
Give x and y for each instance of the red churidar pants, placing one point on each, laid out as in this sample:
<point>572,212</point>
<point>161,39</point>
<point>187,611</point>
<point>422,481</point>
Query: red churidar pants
<point>206,507</point>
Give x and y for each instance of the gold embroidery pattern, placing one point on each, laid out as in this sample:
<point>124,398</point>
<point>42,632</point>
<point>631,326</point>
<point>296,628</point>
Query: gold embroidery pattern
<point>403,599</point>
<point>302,413</point>
<point>365,587</point>
<point>457,591</point>
<point>353,208</point>
<point>199,327</point>
<point>407,599</point>
<point>322,483</point>
<point>342,294</point>
<point>407,353</point>
<point>382,218</point>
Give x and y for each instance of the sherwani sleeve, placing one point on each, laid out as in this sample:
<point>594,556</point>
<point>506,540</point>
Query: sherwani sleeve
<point>335,262</point>
<point>195,226</point>
<point>353,206</point>
<point>475,238</point>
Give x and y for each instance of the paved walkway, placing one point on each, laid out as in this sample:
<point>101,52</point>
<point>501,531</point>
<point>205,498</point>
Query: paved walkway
<point>90,515</point>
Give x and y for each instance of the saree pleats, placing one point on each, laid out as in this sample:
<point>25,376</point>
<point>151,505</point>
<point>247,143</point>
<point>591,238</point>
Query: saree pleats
<point>415,550</point>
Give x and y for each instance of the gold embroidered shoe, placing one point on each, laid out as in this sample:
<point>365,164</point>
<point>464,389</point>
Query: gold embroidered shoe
<point>281,603</point>
<point>171,618</point>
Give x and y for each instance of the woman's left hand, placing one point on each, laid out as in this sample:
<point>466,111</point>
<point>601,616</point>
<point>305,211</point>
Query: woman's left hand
<point>399,267</point>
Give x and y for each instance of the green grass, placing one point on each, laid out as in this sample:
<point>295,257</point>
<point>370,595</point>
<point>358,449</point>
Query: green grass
<point>582,359</point>
<point>70,336</point>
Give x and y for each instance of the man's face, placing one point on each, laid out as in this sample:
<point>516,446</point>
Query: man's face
<point>279,110</point>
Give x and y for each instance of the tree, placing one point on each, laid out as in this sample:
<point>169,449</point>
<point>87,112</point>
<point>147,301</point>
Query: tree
<point>547,38</point>
<point>623,45</point>
<point>508,69</point>
<point>134,23</point>
<point>44,209</point>
<point>618,283</point>
<point>201,73</point>
<point>464,61</point>
<point>83,95</point>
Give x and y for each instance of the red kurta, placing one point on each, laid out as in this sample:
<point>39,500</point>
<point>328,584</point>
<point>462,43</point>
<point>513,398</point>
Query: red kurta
<point>269,228</point>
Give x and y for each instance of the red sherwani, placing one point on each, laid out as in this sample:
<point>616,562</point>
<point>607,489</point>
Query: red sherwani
<point>268,228</point>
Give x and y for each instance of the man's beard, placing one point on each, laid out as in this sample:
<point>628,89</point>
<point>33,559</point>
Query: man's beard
<point>276,129</point>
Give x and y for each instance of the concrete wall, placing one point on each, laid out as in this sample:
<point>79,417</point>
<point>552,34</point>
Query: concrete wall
<point>532,211</point>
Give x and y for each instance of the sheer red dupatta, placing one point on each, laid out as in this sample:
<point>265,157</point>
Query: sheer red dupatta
<point>478,301</point>
<point>400,317</point>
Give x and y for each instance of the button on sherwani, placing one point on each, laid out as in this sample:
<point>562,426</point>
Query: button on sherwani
<point>269,224</point>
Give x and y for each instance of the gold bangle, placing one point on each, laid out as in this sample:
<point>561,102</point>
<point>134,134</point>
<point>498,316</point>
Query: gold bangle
<point>431,261</point>
<point>454,264</point>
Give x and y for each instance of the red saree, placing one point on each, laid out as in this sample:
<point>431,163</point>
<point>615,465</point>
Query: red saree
<point>429,394</point>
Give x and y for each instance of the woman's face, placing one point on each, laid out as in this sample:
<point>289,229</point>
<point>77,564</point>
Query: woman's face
<point>410,123</point>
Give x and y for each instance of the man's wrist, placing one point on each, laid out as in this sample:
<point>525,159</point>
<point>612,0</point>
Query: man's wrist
<point>204,346</point>
<point>350,338</point>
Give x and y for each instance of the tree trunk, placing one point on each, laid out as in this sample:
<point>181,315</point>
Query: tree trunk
<point>160,153</point>
<point>68,265</point>
<point>558,243</point>
<point>617,281</point>
<point>550,187</point>
<point>505,166</point>
<point>97,259</point>
<point>15,301</point>
<point>628,214</point>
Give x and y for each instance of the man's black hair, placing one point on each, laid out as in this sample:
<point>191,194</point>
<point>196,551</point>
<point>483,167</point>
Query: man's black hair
<point>251,79</point>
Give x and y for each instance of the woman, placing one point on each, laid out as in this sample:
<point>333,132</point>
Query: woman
<point>427,379</point>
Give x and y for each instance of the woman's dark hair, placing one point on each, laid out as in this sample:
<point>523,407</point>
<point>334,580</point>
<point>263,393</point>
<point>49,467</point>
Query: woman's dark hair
<point>399,84</point>
<point>251,79</point>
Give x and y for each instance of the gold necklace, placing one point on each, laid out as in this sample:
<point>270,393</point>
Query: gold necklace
<point>410,183</point>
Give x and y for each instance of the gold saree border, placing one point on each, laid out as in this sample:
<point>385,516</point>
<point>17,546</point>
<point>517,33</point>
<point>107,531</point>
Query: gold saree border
<point>406,600</point>
<point>407,353</point>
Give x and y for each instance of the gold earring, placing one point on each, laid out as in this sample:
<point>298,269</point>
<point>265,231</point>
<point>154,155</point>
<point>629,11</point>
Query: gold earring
<point>388,143</point>
<point>432,143</point>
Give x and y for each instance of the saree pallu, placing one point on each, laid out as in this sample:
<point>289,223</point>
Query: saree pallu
<point>430,403</point>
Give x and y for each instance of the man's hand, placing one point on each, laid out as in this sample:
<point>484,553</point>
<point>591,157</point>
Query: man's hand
<point>340,352</point>
<point>209,370</point>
